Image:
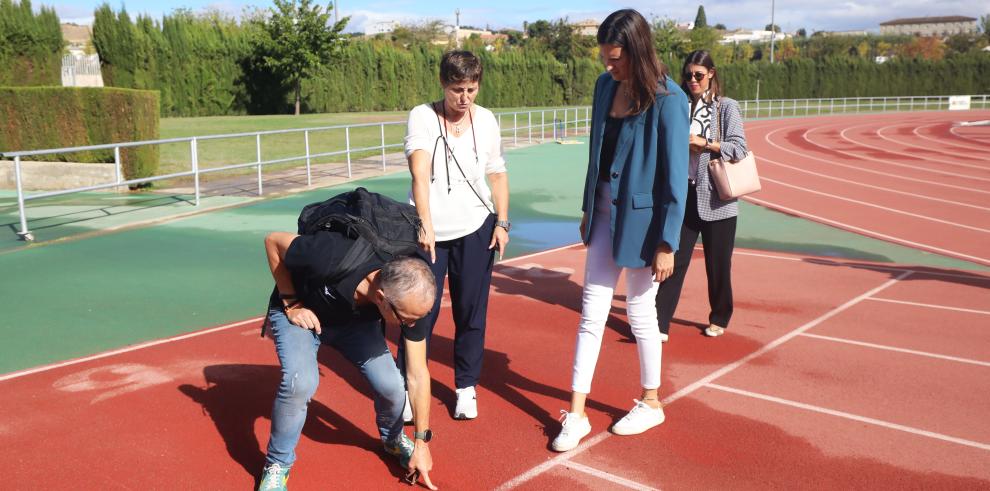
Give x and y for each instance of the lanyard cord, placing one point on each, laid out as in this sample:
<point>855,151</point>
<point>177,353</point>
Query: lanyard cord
<point>449,152</point>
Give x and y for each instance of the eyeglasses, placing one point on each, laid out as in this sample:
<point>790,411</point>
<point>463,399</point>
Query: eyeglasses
<point>698,76</point>
<point>402,322</point>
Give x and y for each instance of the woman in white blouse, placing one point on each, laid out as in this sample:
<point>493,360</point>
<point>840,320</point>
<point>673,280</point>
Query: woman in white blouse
<point>453,147</point>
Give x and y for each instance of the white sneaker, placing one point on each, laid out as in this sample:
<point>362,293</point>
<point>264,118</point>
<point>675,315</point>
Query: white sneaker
<point>407,415</point>
<point>573,429</point>
<point>664,337</point>
<point>467,404</point>
<point>641,418</point>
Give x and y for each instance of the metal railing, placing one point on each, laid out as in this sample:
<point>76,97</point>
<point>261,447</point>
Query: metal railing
<point>555,122</point>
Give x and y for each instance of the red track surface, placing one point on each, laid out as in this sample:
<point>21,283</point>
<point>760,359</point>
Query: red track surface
<point>913,179</point>
<point>822,381</point>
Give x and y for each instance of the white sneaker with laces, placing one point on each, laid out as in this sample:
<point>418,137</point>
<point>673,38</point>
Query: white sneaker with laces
<point>407,415</point>
<point>467,404</point>
<point>641,418</point>
<point>573,428</point>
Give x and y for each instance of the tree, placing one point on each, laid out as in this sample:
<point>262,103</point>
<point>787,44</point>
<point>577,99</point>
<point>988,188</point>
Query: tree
<point>772,27</point>
<point>924,47</point>
<point>298,40</point>
<point>985,25</point>
<point>801,33</point>
<point>668,41</point>
<point>699,20</point>
<point>720,26</point>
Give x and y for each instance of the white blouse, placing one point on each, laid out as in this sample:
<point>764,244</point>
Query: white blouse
<point>701,124</point>
<point>456,210</point>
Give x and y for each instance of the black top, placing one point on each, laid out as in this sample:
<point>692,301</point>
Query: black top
<point>308,260</point>
<point>609,142</point>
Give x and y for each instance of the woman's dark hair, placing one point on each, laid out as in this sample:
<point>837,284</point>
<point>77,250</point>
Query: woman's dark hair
<point>703,58</point>
<point>629,30</point>
<point>460,66</point>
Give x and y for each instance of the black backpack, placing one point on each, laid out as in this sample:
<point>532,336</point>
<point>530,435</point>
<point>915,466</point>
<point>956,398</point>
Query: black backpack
<point>378,224</point>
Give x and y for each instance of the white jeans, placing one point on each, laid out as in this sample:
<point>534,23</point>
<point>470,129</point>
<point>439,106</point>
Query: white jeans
<point>601,274</point>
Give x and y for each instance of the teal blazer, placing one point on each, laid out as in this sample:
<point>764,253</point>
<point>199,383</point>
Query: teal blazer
<point>650,173</point>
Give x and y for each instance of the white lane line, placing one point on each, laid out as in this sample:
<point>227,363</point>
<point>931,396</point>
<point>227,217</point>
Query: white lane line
<point>879,207</point>
<point>861,143</point>
<point>868,266</point>
<point>806,137</point>
<point>555,461</point>
<point>128,349</point>
<point>600,437</point>
<point>149,344</point>
<point>870,233</point>
<point>898,350</point>
<point>955,143</point>
<point>975,140</point>
<point>607,476</point>
<point>806,156</point>
<point>951,153</point>
<point>854,417</point>
<point>931,306</point>
<point>870,186</point>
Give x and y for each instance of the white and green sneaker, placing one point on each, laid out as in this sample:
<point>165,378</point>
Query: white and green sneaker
<point>274,478</point>
<point>402,448</point>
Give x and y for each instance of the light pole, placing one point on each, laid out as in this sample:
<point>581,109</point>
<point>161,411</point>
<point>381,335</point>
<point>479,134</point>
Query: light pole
<point>457,28</point>
<point>773,30</point>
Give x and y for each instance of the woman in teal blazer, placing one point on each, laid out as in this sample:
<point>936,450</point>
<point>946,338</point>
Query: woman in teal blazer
<point>634,198</point>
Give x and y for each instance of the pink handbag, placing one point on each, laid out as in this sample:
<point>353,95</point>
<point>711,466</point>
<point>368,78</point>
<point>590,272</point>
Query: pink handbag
<point>733,179</point>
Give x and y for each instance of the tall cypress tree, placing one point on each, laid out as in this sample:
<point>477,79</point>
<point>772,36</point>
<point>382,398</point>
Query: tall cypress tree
<point>699,20</point>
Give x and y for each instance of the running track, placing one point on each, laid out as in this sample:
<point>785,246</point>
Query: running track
<point>914,179</point>
<point>834,375</point>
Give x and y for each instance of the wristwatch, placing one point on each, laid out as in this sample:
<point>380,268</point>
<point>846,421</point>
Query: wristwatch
<point>506,224</point>
<point>708,146</point>
<point>426,436</point>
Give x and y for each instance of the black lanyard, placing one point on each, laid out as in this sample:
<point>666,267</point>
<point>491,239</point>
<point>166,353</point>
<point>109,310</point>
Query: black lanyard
<point>448,153</point>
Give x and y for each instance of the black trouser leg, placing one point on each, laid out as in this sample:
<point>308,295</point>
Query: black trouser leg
<point>719,238</point>
<point>669,292</point>
<point>470,277</point>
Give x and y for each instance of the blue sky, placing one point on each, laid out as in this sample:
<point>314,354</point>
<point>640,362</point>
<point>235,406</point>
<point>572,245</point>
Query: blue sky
<point>812,15</point>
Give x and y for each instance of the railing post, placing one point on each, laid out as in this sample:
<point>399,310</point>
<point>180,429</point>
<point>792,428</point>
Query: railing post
<point>383,147</point>
<point>24,234</point>
<point>515,128</point>
<point>554,125</point>
<point>564,129</point>
<point>529,124</point>
<point>194,155</point>
<point>347,140</point>
<point>117,168</point>
<point>257,141</point>
<point>587,120</point>
<point>309,164</point>
<point>543,125</point>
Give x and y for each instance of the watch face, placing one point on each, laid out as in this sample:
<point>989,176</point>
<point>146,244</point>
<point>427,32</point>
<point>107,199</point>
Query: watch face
<point>426,436</point>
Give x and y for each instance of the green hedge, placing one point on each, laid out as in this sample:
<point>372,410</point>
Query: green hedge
<point>35,118</point>
<point>30,45</point>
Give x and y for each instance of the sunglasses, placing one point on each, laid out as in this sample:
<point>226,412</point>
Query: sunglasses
<point>698,76</point>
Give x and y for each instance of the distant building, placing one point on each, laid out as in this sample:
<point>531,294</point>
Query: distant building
<point>380,28</point>
<point>78,68</point>
<point>587,27</point>
<point>930,26</point>
<point>751,36</point>
<point>842,33</point>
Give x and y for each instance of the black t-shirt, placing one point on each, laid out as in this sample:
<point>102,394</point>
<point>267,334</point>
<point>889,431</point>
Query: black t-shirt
<point>610,140</point>
<point>309,260</point>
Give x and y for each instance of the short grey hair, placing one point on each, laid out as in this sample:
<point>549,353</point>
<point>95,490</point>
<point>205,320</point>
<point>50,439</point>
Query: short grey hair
<point>405,277</point>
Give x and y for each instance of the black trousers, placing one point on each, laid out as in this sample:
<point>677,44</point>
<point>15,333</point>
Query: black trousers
<point>467,263</point>
<point>718,239</point>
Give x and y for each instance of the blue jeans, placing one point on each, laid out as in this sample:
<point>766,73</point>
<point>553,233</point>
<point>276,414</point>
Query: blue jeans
<point>363,344</point>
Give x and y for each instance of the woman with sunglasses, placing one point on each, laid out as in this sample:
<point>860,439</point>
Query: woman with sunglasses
<point>716,130</point>
<point>452,146</point>
<point>633,206</point>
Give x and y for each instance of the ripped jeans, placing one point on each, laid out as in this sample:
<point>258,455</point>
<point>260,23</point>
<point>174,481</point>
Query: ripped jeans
<point>363,344</point>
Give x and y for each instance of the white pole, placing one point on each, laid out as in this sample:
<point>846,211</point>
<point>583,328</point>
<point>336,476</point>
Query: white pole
<point>24,234</point>
<point>258,147</point>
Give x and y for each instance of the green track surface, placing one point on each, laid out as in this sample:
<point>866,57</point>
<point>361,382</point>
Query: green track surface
<point>72,298</point>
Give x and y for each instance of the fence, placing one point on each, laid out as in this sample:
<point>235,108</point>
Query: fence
<point>528,126</point>
<point>81,71</point>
